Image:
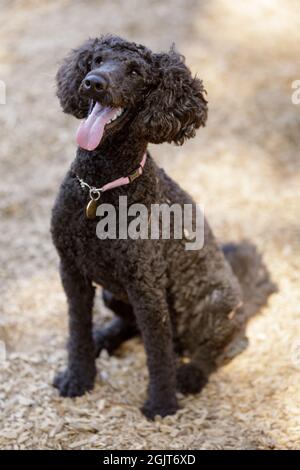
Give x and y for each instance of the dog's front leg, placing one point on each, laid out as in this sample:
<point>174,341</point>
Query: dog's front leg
<point>148,298</point>
<point>80,373</point>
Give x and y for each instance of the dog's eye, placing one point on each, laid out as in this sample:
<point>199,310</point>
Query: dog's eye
<point>98,60</point>
<point>134,73</point>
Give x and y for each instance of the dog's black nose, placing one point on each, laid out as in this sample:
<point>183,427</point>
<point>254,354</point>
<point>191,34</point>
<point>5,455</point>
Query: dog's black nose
<point>94,84</point>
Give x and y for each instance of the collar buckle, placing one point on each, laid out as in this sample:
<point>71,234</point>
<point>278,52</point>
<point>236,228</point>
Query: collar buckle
<point>135,174</point>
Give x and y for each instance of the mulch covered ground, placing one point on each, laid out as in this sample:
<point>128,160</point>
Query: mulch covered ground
<point>244,168</point>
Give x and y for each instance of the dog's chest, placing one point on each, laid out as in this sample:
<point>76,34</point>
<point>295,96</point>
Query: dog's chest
<point>75,237</point>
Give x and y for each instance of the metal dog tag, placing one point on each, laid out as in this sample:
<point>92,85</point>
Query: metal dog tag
<point>91,208</point>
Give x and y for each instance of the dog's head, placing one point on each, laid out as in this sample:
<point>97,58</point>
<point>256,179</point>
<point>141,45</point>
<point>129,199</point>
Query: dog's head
<point>118,85</point>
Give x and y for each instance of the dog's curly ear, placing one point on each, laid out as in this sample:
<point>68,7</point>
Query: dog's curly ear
<point>69,77</point>
<point>176,106</point>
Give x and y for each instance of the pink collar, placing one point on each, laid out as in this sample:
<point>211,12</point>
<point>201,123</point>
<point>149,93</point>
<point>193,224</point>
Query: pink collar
<point>96,192</point>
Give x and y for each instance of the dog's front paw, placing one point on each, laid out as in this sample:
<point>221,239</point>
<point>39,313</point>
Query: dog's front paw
<point>72,384</point>
<point>162,408</point>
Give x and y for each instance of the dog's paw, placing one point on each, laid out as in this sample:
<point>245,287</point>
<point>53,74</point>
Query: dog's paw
<point>70,384</point>
<point>100,340</point>
<point>150,409</point>
<point>190,379</point>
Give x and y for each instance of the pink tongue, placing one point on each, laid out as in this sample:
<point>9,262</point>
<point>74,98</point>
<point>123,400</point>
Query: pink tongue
<point>90,131</point>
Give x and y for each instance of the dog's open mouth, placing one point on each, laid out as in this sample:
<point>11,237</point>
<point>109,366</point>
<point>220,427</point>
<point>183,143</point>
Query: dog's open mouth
<point>100,118</point>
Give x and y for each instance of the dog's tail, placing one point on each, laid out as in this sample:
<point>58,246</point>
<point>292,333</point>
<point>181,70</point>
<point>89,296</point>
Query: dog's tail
<point>256,285</point>
<point>248,266</point>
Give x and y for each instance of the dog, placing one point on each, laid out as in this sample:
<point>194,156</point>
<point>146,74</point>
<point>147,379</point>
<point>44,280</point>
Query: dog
<point>186,304</point>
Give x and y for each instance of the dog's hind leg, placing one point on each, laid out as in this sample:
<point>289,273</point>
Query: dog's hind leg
<point>190,377</point>
<point>192,373</point>
<point>216,322</point>
<point>120,329</point>
<point>248,266</point>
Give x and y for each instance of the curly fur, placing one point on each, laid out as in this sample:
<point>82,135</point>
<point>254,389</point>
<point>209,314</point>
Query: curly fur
<point>185,304</point>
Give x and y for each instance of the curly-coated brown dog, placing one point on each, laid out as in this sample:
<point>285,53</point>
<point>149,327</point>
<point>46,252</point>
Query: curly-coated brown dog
<point>185,303</point>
